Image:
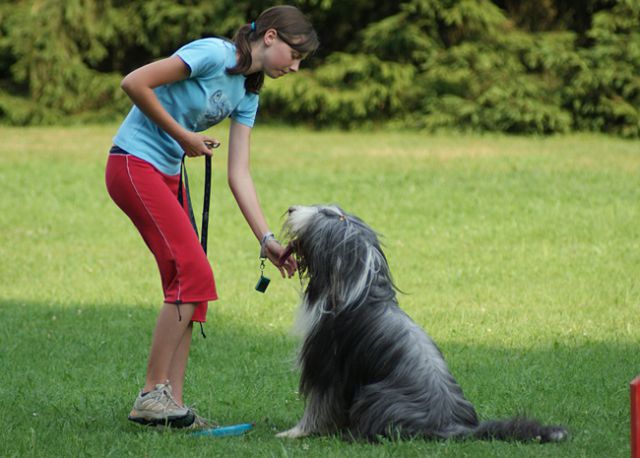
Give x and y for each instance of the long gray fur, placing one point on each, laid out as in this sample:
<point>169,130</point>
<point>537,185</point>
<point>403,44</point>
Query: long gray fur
<point>367,369</point>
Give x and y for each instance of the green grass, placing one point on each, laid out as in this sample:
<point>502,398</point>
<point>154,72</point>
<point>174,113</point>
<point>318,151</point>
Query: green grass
<point>520,256</point>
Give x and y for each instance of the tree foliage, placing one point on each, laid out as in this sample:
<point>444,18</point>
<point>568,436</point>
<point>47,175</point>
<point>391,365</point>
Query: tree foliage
<point>501,65</point>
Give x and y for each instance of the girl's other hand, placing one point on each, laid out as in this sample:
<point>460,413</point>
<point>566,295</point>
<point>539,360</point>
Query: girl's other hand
<point>194,144</point>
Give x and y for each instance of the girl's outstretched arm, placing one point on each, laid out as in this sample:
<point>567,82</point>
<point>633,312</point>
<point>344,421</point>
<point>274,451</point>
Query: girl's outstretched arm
<point>241,184</point>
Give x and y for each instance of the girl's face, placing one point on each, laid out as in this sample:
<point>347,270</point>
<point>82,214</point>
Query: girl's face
<point>279,58</point>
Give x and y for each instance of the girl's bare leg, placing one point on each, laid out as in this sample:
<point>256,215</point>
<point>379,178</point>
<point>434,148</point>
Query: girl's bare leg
<point>178,366</point>
<point>171,340</point>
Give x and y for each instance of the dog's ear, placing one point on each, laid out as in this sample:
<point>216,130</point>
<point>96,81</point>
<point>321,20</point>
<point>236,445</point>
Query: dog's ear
<point>352,271</point>
<point>342,257</point>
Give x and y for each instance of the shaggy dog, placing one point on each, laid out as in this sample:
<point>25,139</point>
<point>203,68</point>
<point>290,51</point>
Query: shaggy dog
<point>367,370</point>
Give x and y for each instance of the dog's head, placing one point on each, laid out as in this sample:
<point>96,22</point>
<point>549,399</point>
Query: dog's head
<point>339,254</point>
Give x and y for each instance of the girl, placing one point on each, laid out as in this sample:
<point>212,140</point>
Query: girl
<point>203,83</point>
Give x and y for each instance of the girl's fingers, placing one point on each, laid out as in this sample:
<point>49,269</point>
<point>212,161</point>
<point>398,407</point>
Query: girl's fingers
<point>290,267</point>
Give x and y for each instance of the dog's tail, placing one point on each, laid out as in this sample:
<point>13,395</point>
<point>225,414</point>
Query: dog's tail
<point>518,429</point>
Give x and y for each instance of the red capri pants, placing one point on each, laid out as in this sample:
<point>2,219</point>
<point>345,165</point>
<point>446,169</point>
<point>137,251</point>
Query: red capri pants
<point>150,199</point>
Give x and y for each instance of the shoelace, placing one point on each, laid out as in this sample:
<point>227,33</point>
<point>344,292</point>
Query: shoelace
<point>167,392</point>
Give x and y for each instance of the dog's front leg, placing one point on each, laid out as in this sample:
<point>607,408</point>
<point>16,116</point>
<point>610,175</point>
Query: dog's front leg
<point>319,418</point>
<point>304,427</point>
<point>294,433</point>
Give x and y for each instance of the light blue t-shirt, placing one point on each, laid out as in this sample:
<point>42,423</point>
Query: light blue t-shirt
<point>205,98</point>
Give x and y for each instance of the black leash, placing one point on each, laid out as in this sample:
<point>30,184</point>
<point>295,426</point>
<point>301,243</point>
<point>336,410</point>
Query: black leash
<point>206,202</point>
<point>183,173</point>
<point>204,227</point>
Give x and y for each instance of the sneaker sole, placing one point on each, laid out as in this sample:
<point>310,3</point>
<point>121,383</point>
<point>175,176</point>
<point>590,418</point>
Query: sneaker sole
<point>175,422</point>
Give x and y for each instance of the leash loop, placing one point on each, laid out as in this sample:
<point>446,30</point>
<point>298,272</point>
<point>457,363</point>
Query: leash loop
<point>206,200</point>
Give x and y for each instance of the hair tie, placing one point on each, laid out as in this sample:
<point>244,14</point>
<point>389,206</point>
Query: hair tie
<point>253,26</point>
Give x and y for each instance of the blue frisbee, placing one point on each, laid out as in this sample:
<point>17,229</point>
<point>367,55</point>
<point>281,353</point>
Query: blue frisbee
<point>225,431</point>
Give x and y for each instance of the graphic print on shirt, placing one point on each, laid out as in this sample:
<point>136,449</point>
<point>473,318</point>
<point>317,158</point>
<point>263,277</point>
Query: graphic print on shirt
<point>218,108</point>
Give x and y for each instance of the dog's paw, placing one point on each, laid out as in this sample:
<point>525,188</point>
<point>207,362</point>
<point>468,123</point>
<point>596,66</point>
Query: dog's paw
<point>294,433</point>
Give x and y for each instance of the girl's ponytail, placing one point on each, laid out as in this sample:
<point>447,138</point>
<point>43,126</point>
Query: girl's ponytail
<point>292,27</point>
<point>243,38</point>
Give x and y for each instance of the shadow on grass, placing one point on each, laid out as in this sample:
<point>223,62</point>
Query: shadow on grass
<point>70,373</point>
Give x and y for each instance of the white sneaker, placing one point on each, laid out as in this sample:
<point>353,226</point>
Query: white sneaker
<point>157,407</point>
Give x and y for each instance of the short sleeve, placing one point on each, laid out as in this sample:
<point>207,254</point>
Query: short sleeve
<point>245,112</point>
<point>203,57</point>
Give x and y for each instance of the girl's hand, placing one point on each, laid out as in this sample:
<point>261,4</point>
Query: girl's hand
<point>274,252</point>
<point>195,144</point>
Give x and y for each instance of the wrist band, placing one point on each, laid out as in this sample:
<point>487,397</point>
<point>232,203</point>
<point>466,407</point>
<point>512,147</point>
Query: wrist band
<point>263,243</point>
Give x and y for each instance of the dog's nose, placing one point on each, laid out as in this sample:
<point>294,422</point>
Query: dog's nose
<point>292,209</point>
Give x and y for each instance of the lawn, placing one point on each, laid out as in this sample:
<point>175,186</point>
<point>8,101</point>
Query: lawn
<point>520,256</point>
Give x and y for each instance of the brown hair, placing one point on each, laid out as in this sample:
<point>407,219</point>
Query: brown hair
<point>293,28</point>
